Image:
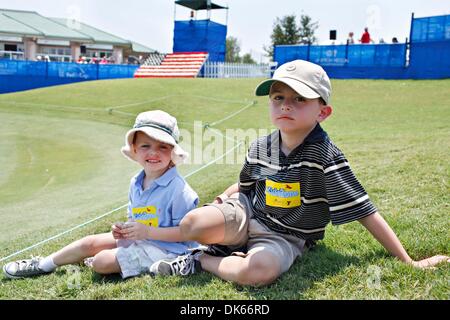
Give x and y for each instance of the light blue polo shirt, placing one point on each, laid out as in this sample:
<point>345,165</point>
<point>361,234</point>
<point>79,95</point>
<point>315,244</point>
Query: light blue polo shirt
<point>162,205</point>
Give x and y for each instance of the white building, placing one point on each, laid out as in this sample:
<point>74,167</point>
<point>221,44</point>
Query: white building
<point>29,36</point>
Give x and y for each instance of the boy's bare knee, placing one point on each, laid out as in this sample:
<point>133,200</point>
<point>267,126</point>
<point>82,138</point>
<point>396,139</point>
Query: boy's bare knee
<point>100,263</point>
<point>257,278</point>
<point>188,228</point>
<point>259,272</point>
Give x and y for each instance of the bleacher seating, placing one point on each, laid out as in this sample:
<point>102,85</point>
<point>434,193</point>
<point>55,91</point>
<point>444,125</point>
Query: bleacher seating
<point>174,65</point>
<point>154,59</point>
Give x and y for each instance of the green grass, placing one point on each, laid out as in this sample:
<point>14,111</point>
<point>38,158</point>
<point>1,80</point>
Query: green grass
<point>61,166</point>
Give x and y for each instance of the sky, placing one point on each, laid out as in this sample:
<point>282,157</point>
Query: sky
<point>151,22</point>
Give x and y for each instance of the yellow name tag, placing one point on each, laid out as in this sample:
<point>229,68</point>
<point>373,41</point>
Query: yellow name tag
<point>146,216</point>
<point>282,195</point>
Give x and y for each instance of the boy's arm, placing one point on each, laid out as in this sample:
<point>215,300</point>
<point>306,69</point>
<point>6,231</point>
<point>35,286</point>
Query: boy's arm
<point>171,234</point>
<point>138,231</point>
<point>379,228</point>
<point>227,193</point>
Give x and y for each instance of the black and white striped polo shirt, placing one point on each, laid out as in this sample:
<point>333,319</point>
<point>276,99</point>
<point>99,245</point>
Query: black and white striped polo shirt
<point>301,193</point>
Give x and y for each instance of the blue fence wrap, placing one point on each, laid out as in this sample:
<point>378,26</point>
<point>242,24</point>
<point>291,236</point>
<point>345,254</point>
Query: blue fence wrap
<point>201,36</point>
<point>430,48</point>
<point>435,28</point>
<point>18,75</point>
<point>429,52</point>
<point>367,55</point>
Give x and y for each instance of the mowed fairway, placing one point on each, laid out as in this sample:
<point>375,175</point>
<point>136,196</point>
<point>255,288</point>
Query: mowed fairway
<point>60,166</point>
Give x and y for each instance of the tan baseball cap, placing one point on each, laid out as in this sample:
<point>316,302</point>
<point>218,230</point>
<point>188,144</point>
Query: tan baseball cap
<point>308,79</point>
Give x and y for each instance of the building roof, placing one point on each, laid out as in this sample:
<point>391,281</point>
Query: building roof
<point>10,26</point>
<point>137,47</point>
<point>31,24</point>
<point>96,35</point>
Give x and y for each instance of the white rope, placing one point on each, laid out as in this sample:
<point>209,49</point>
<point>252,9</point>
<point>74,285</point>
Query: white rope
<point>215,99</point>
<point>213,161</point>
<point>233,114</point>
<point>138,103</point>
<point>123,206</point>
<point>50,106</point>
<point>62,233</point>
<point>110,212</point>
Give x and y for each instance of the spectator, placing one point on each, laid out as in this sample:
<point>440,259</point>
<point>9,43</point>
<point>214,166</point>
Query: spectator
<point>365,38</point>
<point>394,40</point>
<point>94,59</point>
<point>350,39</point>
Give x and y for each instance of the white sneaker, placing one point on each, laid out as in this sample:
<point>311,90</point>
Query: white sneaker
<point>23,268</point>
<point>181,265</point>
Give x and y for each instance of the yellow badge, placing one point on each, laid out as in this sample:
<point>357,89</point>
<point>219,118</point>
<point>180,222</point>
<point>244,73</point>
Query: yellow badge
<point>146,216</point>
<point>282,195</point>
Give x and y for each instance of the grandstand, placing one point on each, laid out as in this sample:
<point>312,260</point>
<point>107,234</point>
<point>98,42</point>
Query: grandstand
<point>174,65</point>
<point>195,42</point>
<point>154,59</point>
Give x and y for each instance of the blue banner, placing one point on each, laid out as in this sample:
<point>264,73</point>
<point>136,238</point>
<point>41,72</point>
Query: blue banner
<point>201,36</point>
<point>375,55</point>
<point>435,28</point>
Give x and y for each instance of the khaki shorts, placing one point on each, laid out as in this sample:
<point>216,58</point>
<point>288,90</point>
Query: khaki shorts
<point>243,230</point>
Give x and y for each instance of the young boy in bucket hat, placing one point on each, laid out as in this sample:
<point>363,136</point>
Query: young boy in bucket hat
<point>158,199</point>
<point>293,183</point>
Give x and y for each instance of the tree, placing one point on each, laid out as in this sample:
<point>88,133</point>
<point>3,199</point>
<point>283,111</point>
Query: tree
<point>233,53</point>
<point>247,58</point>
<point>233,50</point>
<point>286,31</point>
<point>307,29</point>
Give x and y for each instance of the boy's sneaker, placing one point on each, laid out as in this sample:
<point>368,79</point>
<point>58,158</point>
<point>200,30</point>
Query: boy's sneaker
<point>181,265</point>
<point>23,268</point>
<point>188,263</point>
<point>218,250</point>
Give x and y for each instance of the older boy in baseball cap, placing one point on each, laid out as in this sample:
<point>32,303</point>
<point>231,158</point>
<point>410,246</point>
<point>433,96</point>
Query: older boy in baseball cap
<point>293,183</point>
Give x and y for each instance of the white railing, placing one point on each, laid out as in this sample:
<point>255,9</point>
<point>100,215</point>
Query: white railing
<point>12,55</point>
<point>236,70</point>
<point>53,57</point>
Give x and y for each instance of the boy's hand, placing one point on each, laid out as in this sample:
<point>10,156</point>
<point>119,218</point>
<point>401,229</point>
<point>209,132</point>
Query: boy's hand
<point>135,231</point>
<point>429,263</point>
<point>116,229</point>
<point>220,198</point>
